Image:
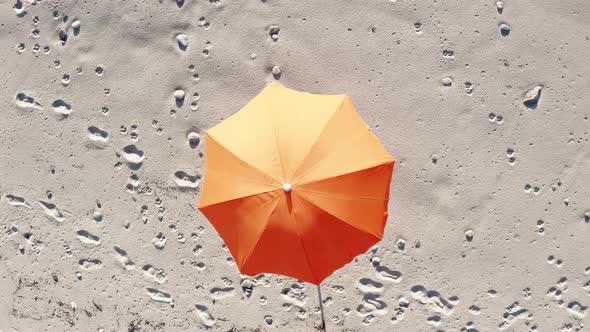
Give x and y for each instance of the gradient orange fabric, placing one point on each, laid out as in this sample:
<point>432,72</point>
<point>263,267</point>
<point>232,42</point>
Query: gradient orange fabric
<point>296,184</point>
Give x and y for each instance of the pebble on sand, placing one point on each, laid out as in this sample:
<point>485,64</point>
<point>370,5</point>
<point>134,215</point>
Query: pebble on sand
<point>531,97</point>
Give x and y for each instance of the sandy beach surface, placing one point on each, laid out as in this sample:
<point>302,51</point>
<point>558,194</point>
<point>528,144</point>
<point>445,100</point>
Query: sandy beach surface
<point>485,105</point>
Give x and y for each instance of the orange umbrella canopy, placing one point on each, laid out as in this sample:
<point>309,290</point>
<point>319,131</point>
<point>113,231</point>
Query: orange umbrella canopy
<point>296,184</point>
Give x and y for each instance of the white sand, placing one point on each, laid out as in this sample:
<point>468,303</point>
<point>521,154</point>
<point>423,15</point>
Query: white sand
<point>490,208</point>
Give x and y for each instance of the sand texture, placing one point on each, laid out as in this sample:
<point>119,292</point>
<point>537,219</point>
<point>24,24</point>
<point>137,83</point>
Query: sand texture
<point>484,105</point>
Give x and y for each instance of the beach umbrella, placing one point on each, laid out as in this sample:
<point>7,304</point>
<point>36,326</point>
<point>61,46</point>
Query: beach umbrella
<point>296,184</point>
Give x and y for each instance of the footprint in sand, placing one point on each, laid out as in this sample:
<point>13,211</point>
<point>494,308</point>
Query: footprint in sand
<point>385,273</point>
<point>504,30</point>
<point>160,296</point>
<point>513,313</point>
<point>268,320</point>
<point>133,156</point>
<point>132,183</point>
<point>193,140</point>
<point>63,36</point>
<point>576,309</point>
<point>159,241</point>
<point>181,238</point>
<point>65,80</point>
<point>21,47</point>
<point>17,201</point>
<point>207,49</point>
<point>367,285</point>
<point>52,211</point>
<point>500,6</point>
<point>96,134</point>
<point>433,298</point>
<point>338,289</point>
<point>218,293</point>
<point>475,310</point>
<point>247,287</point>
<point>203,22</point>
<point>89,264</point>
<point>36,245</point>
<point>449,54</point>
<point>10,230</point>
<point>371,305</point>
<point>294,296</point>
<point>99,70</point>
<point>433,320</point>
<point>205,316</point>
<point>398,316</point>
<point>155,274</point>
<point>87,238</point>
<point>26,102</point>
<point>97,215</point>
<point>61,108</point>
<point>145,215</point>
<point>184,180</point>
<point>198,265</point>
<point>19,8</point>
<point>121,256</point>
<point>447,82</point>
<point>371,302</point>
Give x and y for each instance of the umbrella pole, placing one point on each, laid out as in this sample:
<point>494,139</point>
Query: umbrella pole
<point>321,308</point>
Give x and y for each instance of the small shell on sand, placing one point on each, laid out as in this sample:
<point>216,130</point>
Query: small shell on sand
<point>179,94</point>
<point>182,41</point>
